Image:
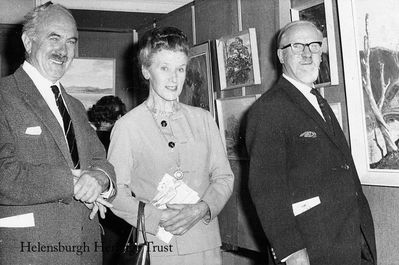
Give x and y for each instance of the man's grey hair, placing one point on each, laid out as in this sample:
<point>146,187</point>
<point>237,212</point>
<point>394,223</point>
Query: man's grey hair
<point>35,17</point>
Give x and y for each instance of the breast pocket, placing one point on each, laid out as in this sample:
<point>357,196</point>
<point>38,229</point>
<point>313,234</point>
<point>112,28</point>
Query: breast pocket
<point>30,148</point>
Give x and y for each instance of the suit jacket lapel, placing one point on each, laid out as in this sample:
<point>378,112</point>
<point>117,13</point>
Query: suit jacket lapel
<point>39,107</point>
<point>299,99</point>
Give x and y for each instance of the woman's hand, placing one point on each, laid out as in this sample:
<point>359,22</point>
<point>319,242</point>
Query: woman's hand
<point>188,215</point>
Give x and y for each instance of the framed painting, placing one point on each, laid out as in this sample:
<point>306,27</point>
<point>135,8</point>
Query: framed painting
<point>238,60</point>
<point>321,14</point>
<point>371,69</point>
<point>231,114</point>
<point>89,79</point>
<point>198,87</point>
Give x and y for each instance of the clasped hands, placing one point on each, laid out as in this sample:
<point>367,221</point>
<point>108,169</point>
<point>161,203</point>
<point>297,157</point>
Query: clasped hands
<point>179,218</point>
<point>88,186</point>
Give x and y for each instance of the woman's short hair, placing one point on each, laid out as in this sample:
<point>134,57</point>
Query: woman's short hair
<point>106,109</point>
<point>166,38</point>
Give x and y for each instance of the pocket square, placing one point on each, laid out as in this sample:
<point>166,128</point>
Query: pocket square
<point>36,130</point>
<point>308,134</point>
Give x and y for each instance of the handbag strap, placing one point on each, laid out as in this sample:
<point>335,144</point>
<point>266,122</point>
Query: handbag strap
<point>140,222</point>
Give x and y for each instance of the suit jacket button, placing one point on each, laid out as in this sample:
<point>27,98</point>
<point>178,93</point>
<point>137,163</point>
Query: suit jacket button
<point>346,167</point>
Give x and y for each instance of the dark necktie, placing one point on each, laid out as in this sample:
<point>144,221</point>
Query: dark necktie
<point>68,126</point>
<point>324,108</point>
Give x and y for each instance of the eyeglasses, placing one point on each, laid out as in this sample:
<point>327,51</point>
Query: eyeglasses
<point>298,48</point>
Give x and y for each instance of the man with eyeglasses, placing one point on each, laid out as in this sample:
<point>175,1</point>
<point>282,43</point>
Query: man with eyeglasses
<point>302,178</point>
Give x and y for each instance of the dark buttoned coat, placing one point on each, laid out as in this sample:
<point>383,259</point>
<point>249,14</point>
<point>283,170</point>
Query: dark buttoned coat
<point>295,158</point>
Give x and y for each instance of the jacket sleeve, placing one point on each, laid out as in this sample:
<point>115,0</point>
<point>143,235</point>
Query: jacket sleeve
<point>221,176</point>
<point>268,185</point>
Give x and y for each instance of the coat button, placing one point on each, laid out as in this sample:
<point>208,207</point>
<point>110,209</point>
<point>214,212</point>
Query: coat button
<point>171,144</point>
<point>346,167</point>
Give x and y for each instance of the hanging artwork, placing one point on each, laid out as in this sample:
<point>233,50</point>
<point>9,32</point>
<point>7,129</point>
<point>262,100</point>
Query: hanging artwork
<point>238,60</point>
<point>89,79</point>
<point>198,87</point>
<point>232,114</point>
<point>320,13</point>
<point>370,47</point>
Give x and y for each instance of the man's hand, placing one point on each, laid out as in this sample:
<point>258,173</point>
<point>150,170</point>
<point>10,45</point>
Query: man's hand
<point>298,258</point>
<point>89,184</point>
<point>100,205</point>
<point>187,216</point>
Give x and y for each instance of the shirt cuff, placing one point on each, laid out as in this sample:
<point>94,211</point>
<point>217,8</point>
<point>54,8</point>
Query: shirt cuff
<point>110,192</point>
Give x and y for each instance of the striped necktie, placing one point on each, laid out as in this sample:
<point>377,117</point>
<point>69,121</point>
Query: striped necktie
<point>68,126</point>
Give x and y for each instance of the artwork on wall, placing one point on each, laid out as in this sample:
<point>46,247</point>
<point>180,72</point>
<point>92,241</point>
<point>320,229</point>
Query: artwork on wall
<point>370,43</point>
<point>321,14</point>
<point>89,79</point>
<point>238,60</point>
<point>198,87</point>
<point>231,114</point>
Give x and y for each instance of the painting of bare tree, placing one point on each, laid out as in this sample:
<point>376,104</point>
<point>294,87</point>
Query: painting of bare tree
<point>380,82</point>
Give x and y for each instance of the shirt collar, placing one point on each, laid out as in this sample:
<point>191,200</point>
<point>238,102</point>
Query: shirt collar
<point>305,89</point>
<point>37,78</point>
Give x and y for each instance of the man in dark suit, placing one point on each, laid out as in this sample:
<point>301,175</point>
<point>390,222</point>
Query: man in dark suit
<point>52,165</point>
<point>302,177</point>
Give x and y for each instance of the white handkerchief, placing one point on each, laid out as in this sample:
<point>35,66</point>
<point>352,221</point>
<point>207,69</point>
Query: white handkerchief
<point>36,130</point>
<point>22,220</point>
<point>303,206</point>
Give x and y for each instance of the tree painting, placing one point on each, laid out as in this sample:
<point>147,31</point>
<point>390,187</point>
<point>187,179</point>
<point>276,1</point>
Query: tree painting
<point>238,63</point>
<point>380,80</point>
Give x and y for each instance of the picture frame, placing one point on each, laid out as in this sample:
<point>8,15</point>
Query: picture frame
<point>231,113</point>
<point>368,33</point>
<point>89,79</point>
<point>336,108</point>
<point>198,88</point>
<point>238,61</point>
<point>320,12</point>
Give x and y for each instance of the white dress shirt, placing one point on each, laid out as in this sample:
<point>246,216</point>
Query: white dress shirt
<point>44,87</point>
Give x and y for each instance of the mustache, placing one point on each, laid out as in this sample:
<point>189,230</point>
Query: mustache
<point>59,57</point>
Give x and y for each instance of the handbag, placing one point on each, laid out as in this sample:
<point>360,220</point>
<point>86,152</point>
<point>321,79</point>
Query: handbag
<point>133,252</point>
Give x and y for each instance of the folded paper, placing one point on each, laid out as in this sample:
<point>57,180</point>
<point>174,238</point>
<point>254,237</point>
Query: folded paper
<point>18,221</point>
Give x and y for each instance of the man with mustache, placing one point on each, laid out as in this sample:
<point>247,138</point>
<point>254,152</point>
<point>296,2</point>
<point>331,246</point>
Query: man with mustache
<point>54,175</point>
<point>302,178</point>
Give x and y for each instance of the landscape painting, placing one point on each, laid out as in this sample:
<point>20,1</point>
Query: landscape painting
<point>89,79</point>
<point>378,41</point>
<point>232,113</point>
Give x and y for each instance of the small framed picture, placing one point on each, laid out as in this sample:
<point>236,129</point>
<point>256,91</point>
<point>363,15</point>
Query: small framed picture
<point>238,60</point>
<point>320,12</point>
<point>89,79</point>
<point>232,113</point>
<point>198,87</point>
